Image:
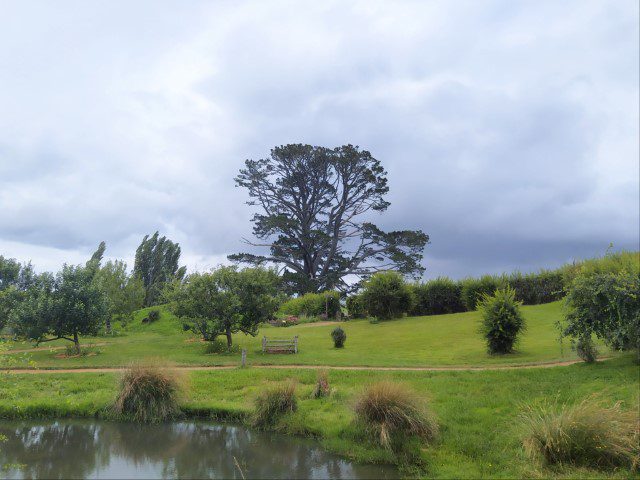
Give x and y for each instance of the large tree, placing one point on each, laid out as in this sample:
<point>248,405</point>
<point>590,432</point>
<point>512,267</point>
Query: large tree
<point>226,301</point>
<point>313,205</point>
<point>15,278</point>
<point>156,264</point>
<point>61,307</point>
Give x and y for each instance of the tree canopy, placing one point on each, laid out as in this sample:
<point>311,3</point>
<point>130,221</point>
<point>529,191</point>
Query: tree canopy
<point>156,264</point>
<point>314,204</point>
<point>61,307</point>
<point>226,301</point>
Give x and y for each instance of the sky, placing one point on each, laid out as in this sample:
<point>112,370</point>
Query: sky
<point>509,129</point>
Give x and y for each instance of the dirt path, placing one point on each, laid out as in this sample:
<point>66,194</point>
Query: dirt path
<point>313,367</point>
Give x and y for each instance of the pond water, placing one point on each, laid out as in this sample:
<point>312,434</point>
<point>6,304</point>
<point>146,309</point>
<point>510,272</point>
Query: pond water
<point>194,449</point>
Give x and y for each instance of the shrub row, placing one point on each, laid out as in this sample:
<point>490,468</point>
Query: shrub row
<point>444,295</point>
<point>313,305</point>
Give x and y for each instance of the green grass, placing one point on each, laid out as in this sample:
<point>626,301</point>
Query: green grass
<point>416,341</point>
<point>477,410</point>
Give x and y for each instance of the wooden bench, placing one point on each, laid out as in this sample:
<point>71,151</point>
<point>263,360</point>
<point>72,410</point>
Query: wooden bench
<point>280,345</point>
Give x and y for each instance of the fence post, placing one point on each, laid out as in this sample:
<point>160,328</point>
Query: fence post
<point>244,357</point>
<point>295,344</point>
<point>264,343</point>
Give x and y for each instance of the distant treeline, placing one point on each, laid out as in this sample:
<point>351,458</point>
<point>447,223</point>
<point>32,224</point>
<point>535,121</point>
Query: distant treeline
<point>444,295</point>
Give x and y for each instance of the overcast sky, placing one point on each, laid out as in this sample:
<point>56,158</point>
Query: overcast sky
<point>509,129</point>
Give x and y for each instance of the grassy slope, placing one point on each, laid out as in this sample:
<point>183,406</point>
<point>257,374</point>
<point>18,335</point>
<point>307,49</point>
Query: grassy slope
<point>417,341</point>
<point>477,410</point>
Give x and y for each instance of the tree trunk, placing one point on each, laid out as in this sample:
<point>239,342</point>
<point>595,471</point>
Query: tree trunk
<point>76,342</point>
<point>229,341</point>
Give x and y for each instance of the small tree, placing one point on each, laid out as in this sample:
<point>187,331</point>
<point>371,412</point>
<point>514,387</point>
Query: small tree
<point>61,307</point>
<point>226,301</point>
<point>386,295</point>
<point>501,320</point>
<point>339,337</point>
<point>125,293</point>
<point>604,304</point>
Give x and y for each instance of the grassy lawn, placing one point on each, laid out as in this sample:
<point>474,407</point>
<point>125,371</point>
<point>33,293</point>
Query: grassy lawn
<point>416,341</point>
<point>478,410</point>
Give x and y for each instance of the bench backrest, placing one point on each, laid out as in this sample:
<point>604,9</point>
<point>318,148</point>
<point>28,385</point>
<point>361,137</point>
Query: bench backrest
<point>280,344</point>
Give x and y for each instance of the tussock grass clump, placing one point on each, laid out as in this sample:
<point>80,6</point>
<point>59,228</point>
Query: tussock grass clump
<point>587,434</point>
<point>148,394</point>
<point>321,388</point>
<point>271,404</point>
<point>390,411</point>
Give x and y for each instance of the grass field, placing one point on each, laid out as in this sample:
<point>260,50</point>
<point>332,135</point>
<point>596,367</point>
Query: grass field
<point>478,411</point>
<point>417,341</point>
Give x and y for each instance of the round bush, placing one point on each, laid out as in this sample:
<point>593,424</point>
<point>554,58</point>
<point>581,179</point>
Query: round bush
<point>147,394</point>
<point>386,295</point>
<point>339,337</point>
<point>586,349</point>
<point>501,320</point>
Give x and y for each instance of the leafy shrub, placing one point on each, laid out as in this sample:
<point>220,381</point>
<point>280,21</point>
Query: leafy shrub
<point>602,299</point>
<point>148,394</point>
<point>154,315</point>
<point>586,434</point>
<point>390,412</point>
<point>535,288</point>
<point>218,346</point>
<point>321,388</point>
<point>386,295</point>
<point>356,306</point>
<point>313,304</point>
<point>271,404</point>
<point>586,349</point>
<point>339,337</point>
<point>474,289</point>
<point>501,320</point>
<point>436,297</point>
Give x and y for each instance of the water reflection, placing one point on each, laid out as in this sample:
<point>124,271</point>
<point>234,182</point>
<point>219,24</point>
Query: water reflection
<point>94,449</point>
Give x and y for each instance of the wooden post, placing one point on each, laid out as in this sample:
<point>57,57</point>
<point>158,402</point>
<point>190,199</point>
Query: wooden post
<point>264,344</point>
<point>244,357</point>
<point>295,344</point>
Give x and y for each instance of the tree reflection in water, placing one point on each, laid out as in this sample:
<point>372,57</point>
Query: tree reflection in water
<point>95,449</point>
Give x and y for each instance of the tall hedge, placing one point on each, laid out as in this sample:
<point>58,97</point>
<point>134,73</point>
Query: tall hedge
<point>313,304</point>
<point>474,289</point>
<point>436,297</point>
<point>534,288</point>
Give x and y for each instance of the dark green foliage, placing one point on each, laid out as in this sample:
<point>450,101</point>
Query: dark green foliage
<point>391,413</point>
<point>501,320</point>
<point>311,201</point>
<point>154,315</point>
<point>313,305</point>
<point>535,288</point>
<point>587,435</point>
<point>61,307</point>
<point>436,297</point>
<point>226,301</point>
<point>474,289</point>
<point>156,264</point>
<point>386,295</point>
<point>272,403</point>
<point>356,307</point>
<point>217,346</point>
<point>339,337</point>
<point>148,394</point>
<point>15,279</point>
<point>603,300</point>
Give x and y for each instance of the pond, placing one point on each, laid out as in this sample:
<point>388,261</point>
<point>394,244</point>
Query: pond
<point>194,449</point>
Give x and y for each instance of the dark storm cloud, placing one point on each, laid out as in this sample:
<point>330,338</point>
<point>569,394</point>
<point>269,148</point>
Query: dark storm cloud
<point>509,130</point>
